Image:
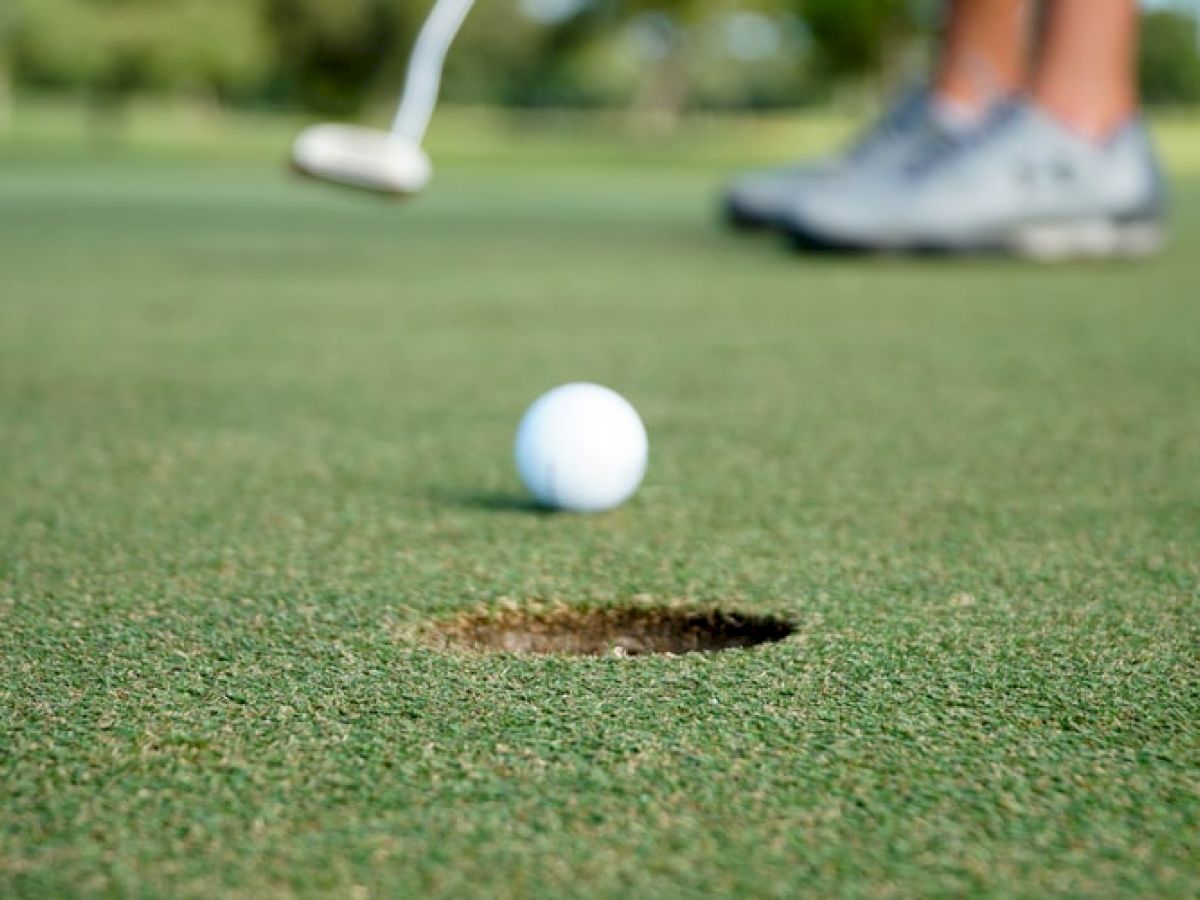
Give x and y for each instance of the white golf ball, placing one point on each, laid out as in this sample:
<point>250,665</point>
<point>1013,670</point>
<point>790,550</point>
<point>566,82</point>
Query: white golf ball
<point>581,447</point>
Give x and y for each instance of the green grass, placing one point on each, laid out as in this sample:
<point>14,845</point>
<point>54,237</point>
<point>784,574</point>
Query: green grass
<point>255,435</point>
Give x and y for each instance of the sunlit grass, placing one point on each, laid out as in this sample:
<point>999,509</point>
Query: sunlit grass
<point>539,138</point>
<point>255,437</point>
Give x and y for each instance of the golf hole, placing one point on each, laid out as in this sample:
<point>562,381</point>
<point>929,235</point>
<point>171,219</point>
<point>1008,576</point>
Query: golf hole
<point>627,631</point>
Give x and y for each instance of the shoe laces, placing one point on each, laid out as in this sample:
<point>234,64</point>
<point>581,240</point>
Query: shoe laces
<point>947,145</point>
<point>895,122</point>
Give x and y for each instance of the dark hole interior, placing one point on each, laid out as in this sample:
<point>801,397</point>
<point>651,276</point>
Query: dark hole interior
<point>628,631</point>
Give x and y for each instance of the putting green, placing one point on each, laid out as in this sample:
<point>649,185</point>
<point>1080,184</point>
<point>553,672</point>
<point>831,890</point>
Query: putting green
<point>255,436</point>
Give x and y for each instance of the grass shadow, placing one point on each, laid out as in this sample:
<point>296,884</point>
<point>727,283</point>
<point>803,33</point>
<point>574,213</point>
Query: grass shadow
<point>492,501</point>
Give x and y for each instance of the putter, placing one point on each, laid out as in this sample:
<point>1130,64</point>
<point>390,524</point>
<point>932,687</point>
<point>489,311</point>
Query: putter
<point>388,162</point>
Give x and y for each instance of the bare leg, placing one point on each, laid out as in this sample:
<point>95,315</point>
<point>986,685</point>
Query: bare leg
<point>1085,68</point>
<point>983,53</point>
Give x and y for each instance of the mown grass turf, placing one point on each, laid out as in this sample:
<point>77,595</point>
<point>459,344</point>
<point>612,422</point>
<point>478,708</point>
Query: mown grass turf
<point>254,436</point>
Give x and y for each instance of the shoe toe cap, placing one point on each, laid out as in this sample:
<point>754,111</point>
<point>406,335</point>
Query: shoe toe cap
<point>763,198</point>
<point>838,216</point>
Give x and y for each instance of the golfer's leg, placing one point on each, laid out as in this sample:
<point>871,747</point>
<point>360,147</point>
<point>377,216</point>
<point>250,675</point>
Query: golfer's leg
<point>982,61</point>
<point>983,53</point>
<point>1067,169</point>
<point>1084,74</point>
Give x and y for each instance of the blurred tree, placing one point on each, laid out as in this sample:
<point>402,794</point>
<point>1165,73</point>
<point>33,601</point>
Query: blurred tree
<point>1169,58</point>
<point>709,52</point>
<point>507,54</point>
<point>655,56</point>
<point>6,74</point>
<point>861,38</point>
<point>750,59</point>
<point>336,55</point>
<point>116,47</point>
<point>331,52</point>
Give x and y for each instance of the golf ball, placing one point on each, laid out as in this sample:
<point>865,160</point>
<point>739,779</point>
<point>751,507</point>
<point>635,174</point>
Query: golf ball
<point>581,447</point>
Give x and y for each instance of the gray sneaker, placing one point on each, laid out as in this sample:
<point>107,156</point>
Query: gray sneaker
<point>1020,183</point>
<point>761,198</point>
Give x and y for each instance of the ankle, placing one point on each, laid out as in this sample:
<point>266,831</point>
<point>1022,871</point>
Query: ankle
<point>970,95</point>
<point>1096,118</point>
<point>960,105</point>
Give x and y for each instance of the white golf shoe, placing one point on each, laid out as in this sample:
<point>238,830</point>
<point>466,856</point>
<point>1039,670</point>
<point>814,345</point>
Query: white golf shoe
<point>1021,182</point>
<point>759,199</point>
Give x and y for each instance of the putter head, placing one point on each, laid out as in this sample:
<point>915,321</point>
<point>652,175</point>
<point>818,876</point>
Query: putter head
<point>364,158</point>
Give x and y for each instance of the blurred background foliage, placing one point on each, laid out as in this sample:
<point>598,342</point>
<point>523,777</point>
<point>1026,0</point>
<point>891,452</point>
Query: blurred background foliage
<point>656,57</point>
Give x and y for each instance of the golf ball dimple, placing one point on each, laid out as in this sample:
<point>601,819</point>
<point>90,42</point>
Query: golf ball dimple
<point>581,447</point>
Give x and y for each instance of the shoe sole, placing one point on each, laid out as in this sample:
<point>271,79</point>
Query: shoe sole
<point>1089,239</point>
<point>1051,242</point>
<point>739,219</point>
